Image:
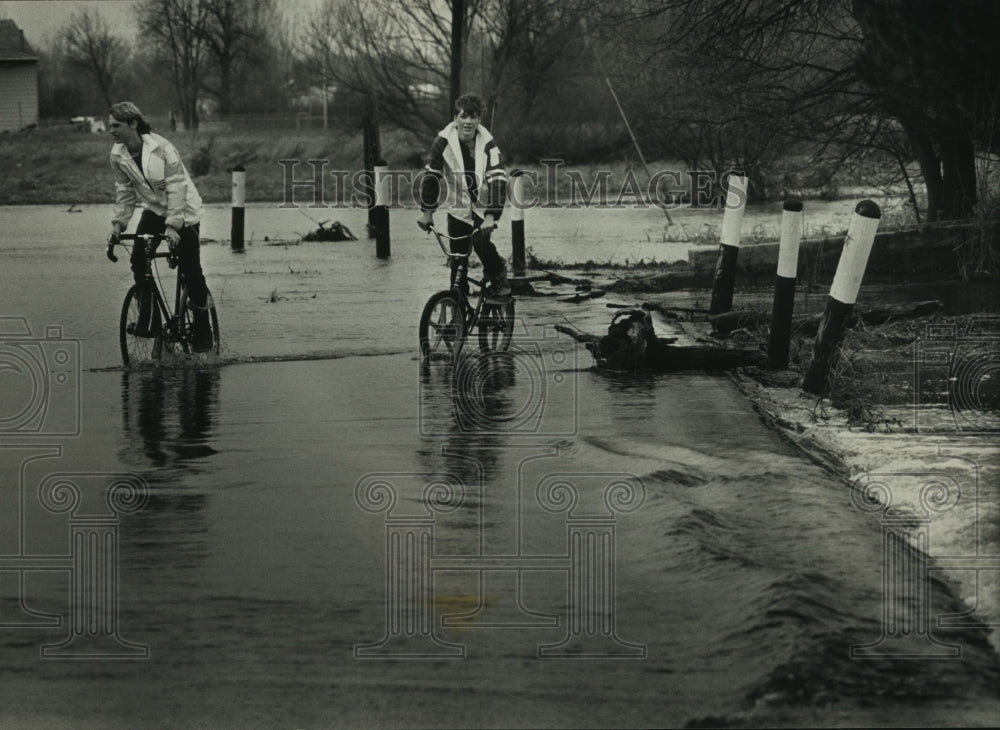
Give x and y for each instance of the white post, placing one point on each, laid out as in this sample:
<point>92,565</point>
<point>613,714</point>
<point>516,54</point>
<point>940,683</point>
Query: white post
<point>784,285</point>
<point>239,201</point>
<point>843,294</point>
<point>732,225</point>
<point>380,212</point>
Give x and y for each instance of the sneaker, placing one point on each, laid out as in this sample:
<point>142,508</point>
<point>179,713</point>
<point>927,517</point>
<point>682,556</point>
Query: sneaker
<point>202,340</point>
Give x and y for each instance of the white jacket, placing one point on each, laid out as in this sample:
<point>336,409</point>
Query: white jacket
<point>162,185</point>
<point>447,163</point>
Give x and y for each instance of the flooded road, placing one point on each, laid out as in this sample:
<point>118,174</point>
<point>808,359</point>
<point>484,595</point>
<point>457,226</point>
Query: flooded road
<point>319,532</point>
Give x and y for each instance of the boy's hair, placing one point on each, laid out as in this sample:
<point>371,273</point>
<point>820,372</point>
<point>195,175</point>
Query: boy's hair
<point>469,104</point>
<point>126,111</point>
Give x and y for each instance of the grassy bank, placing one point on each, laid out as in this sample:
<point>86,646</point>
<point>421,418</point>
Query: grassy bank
<point>72,167</point>
<point>66,167</point>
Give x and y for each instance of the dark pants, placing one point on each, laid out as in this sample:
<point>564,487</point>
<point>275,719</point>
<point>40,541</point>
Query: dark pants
<point>493,263</point>
<point>188,256</point>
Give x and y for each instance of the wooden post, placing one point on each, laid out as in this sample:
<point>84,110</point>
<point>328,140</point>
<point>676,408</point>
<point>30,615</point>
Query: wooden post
<point>515,200</point>
<point>372,152</point>
<point>380,211</point>
<point>784,285</point>
<point>239,200</point>
<point>732,223</point>
<point>843,294</point>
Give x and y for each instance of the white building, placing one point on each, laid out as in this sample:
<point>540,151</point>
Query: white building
<point>18,79</point>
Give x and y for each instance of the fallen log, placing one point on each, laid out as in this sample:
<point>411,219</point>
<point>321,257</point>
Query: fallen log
<point>728,322</point>
<point>632,345</point>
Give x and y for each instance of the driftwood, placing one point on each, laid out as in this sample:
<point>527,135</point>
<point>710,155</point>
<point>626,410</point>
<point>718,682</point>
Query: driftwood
<point>632,345</point>
<point>728,322</point>
<point>581,296</point>
<point>521,285</point>
<point>336,231</point>
<point>670,312</point>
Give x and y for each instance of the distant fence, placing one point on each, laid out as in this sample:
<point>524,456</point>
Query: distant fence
<point>284,122</point>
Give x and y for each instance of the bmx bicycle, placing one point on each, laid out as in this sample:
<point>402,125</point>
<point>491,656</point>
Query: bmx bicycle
<point>450,315</point>
<point>170,331</point>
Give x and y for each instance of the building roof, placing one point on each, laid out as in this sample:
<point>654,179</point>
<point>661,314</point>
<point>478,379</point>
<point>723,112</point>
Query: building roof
<point>13,47</point>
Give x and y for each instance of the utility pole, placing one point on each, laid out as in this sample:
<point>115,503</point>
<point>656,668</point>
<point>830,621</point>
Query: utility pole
<point>457,25</point>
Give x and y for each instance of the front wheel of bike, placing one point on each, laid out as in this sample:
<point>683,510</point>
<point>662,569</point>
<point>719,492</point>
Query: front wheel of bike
<point>442,326</point>
<point>186,323</point>
<point>496,326</point>
<point>138,349</point>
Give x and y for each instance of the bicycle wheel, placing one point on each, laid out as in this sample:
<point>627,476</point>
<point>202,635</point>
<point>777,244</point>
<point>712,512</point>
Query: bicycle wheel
<point>442,326</point>
<point>496,326</point>
<point>137,349</point>
<point>186,323</point>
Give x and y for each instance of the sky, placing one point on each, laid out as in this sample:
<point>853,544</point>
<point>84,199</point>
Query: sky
<point>41,19</point>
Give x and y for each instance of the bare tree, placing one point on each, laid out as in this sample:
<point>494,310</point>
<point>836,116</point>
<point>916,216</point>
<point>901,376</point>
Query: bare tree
<point>934,68</point>
<point>323,49</point>
<point>522,54</point>
<point>178,29</point>
<point>847,77</point>
<point>235,33</point>
<point>533,49</point>
<point>396,51</point>
<point>734,85</point>
<point>91,46</point>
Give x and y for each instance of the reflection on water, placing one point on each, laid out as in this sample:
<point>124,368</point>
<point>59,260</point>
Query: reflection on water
<point>466,412</point>
<point>167,415</point>
<point>168,422</point>
<point>483,397</point>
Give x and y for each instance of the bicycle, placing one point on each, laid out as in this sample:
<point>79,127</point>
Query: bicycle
<point>169,332</point>
<point>449,315</point>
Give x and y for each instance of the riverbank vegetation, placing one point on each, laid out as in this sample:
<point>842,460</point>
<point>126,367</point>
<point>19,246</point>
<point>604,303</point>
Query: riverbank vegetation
<point>939,363</point>
<point>802,96</point>
<point>60,164</point>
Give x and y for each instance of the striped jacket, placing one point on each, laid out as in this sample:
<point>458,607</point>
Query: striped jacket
<point>162,185</point>
<point>485,194</point>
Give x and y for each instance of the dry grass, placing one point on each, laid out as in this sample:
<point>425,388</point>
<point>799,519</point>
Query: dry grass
<point>876,367</point>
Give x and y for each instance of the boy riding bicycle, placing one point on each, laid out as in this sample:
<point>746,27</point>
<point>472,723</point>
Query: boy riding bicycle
<point>148,172</point>
<point>466,152</point>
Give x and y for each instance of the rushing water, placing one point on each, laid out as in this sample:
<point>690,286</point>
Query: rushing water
<point>600,550</point>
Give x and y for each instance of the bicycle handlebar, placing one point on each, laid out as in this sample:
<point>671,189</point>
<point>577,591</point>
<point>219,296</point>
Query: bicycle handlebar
<point>441,238</point>
<point>149,238</point>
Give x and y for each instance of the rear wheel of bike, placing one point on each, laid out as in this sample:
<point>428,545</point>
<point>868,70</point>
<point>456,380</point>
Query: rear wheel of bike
<point>186,323</point>
<point>136,349</point>
<point>496,326</point>
<point>442,326</point>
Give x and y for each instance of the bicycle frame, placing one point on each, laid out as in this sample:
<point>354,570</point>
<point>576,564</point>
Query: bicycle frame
<point>174,325</point>
<point>460,275</point>
<point>151,241</point>
<point>492,315</point>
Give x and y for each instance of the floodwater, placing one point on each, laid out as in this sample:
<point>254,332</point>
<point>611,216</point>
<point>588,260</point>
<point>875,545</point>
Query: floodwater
<point>316,531</point>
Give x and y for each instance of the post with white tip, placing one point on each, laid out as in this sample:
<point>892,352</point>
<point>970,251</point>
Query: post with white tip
<point>843,294</point>
<point>380,212</point>
<point>239,201</point>
<point>732,223</point>
<point>784,285</point>
<point>515,199</point>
